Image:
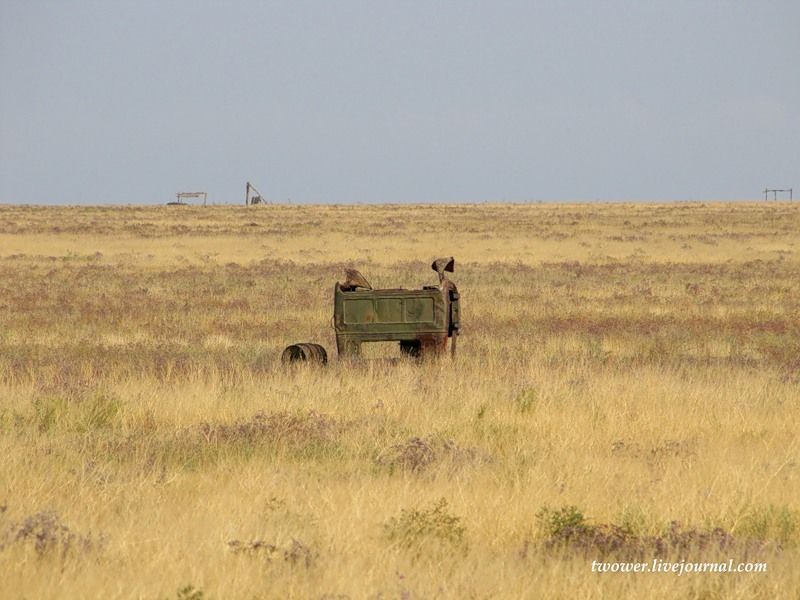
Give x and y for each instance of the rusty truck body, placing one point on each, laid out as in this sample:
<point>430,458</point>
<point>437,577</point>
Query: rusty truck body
<point>422,321</point>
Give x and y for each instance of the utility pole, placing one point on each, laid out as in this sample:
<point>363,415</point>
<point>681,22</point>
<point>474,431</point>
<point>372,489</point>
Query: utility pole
<point>775,193</point>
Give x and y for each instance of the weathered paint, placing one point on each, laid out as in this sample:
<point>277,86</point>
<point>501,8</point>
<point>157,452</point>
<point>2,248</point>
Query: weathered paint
<point>421,320</point>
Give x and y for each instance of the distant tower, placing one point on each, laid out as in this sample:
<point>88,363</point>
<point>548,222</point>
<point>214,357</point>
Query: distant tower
<point>252,195</point>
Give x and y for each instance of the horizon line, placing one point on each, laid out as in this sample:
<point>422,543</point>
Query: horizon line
<point>408,203</point>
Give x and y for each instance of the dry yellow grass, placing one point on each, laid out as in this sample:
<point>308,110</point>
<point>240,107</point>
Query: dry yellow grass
<point>622,367</point>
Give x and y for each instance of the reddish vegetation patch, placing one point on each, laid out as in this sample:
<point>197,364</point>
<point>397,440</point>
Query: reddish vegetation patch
<point>612,540</point>
<point>567,531</point>
<point>417,454</point>
<point>47,534</point>
<point>295,553</point>
<point>281,427</point>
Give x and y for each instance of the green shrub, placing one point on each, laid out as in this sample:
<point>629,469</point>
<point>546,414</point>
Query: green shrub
<point>48,411</point>
<point>557,522</point>
<point>779,523</point>
<point>97,411</point>
<point>525,401</point>
<point>417,529</point>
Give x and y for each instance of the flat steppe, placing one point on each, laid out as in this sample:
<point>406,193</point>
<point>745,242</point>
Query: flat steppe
<point>627,388</point>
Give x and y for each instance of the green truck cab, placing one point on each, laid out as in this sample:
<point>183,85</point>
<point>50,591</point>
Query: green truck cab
<point>421,321</point>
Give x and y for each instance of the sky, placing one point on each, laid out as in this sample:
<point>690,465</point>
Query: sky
<point>117,102</point>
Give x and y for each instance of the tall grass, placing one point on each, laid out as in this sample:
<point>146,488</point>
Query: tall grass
<point>626,387</point>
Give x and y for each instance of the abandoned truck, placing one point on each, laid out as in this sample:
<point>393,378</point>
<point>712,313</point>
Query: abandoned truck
<point>420,320</point>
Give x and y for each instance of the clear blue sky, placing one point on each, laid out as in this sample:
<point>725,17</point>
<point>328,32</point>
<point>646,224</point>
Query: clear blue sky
<point>130,102</point>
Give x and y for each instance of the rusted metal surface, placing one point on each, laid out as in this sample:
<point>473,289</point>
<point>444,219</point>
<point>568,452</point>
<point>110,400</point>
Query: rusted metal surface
<point>421,321</point>
<point>354,280</point>
<point>305,352</point>
<point>453,299</point>
<point>442,266</point>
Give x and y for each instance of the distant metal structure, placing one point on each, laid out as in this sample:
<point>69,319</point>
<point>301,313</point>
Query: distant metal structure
<point>776,192</point>
<point>252,195</point>
<point>181,198</point>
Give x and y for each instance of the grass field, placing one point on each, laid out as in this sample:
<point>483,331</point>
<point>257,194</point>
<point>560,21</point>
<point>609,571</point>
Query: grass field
<point>626,388</point>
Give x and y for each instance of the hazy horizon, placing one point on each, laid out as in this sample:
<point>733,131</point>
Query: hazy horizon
<point>404,103</point>
<point>565,202</point>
